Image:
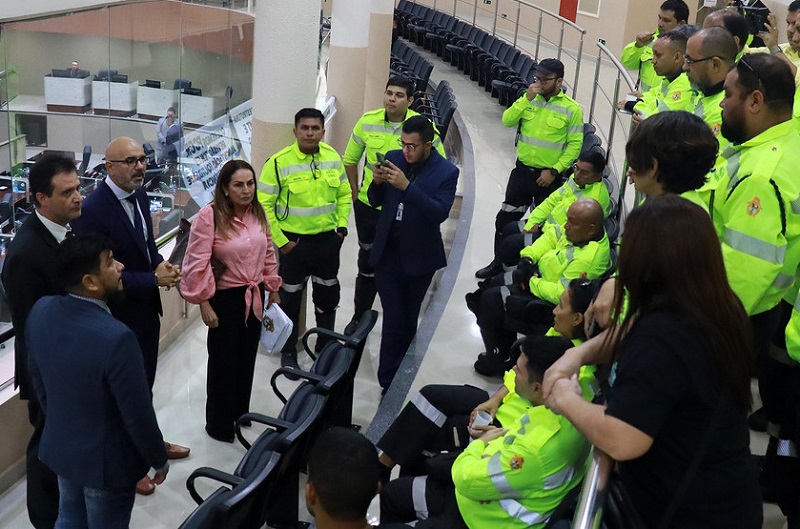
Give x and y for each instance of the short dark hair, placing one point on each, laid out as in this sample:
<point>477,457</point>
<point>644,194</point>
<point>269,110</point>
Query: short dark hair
<point>736,24</point>
<point>309,113</point>
<point>343,468</point>
<point>542,352</point>
<point>40,179</point>
<point>171,109</point>
<point>421,125</point>
<point>719,42</point>
<point>684,160</point>
<point>402,82</point>
<point>678,7</point>
<point>581,293</point>
<point>594,157</point>
<point>676,38</point>
<point>794,6</point>
<point>80,255</point>
<point>770,75</point>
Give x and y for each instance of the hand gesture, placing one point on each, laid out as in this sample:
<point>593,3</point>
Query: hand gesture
<point>209,315</point>
<point>642,39</point>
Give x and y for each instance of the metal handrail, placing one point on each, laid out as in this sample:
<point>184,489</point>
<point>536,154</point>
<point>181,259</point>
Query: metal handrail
<point>592,500</point>
<point>513,39</point>
<point>623,72</point>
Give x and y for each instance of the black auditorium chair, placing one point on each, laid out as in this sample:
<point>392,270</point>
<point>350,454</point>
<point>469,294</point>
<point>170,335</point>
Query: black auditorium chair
<point>505,58</point>
<point>502,76</point>
<point>435,40</point>
<point>241,503</point>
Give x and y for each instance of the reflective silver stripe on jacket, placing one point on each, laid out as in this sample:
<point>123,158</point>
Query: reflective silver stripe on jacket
<point>312,212</point>
<point>288,287</point>
<point>306,167</point>
<point>732,154</point>
<point>796,206</point>
<point>499,479</point>
<point>268,189</point>
<point>557,479</point>
<point>516,510</point>
<point>358,140</point>
<point>783,281</point>
<point>428,410</point>
<point>754,247</point>
<point>551,106</point>
<point>508,208</point>
<point>544,144</point>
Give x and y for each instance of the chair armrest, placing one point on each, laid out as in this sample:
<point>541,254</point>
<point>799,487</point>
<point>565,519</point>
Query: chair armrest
<point>211,473</point>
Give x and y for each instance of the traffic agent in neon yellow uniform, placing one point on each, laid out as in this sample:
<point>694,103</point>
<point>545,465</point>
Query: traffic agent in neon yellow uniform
<point>550,135</point>
<point>638,54</point>
<point>675,91</point>
<point>517,478</point>
<point>511,477</point>
<point>306,196</point>
<point>586,181</point>
<point>377,131</point>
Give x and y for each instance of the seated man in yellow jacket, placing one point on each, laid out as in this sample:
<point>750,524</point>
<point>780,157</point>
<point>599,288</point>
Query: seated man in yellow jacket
<point>548,265</point>
<point>511,477</point>
<point>675,91</point>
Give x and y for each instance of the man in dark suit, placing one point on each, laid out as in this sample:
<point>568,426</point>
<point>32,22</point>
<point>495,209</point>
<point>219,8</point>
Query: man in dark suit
<point>120,210</point>
<point>30,272</point>
<point>101,435</point>
<point>415,188</point>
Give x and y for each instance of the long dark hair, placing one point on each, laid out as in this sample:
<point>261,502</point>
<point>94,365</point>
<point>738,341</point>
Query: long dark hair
<point>223,208</point>
<point>671,259</point>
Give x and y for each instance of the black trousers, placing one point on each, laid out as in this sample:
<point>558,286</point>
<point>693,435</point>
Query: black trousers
<point>401,300</point>
<point>513,241</point>
<point>435,419</point>
<point>423,498</point>
<point>779,386</point>
<point>521,193</point>
<point>232,348</point>
<point>317,257</point>
<point>366,222</point>
<point>42,483</point>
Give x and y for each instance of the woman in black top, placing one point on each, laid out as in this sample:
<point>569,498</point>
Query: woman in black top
<point>679,386</point>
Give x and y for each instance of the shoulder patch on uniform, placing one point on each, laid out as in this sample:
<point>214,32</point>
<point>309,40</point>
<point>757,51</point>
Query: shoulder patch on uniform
<point>516,463</point>
<point>676,96</point>
<point>716,129</point>
<point>754,207</point>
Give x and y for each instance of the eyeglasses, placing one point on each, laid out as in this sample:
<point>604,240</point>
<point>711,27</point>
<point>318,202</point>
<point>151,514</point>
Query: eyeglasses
<point>689,61</point>
<point>408,146</point>
<point>130,161</point>
<point>543,79</point>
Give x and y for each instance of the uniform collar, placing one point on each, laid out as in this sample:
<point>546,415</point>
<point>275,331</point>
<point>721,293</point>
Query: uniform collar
<point>771,134</point>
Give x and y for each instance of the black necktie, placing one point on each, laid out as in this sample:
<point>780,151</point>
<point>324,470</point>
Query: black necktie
<point>137,218</point>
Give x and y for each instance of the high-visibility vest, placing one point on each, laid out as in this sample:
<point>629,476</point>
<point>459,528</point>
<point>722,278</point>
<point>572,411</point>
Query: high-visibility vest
<point>517,480</point>
<point>304,193</point>
<point>641,60</point>
<point>669,95</point>
<point>374,134</point>
<point>756,212</point>
<point>707,108</point>
<point>550,130</point>
<point>554,209</point>
<point>560,262</point>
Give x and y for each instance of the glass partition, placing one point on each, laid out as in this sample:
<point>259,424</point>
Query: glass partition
<point>72,83</point>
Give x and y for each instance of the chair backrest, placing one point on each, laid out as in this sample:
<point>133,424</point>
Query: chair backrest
<point>207,515</point>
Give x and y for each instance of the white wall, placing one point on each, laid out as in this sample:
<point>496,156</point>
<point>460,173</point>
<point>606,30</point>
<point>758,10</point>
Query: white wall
<point>28,8</point>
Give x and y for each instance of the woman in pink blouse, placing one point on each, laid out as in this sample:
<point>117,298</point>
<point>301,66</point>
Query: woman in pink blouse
<point>235,230</point>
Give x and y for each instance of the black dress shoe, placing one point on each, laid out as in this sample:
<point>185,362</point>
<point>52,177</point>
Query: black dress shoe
<point>290,360</point>
<point>489,365</point>
<point>489,270</point>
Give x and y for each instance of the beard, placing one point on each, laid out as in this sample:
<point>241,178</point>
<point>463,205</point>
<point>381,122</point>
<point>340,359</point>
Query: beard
<point>733,131</point>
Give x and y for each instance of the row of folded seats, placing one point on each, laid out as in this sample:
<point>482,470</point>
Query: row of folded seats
<point>264,486</point>
<point>489,60</point>
<point>439,106</point>
<point>408,62</point>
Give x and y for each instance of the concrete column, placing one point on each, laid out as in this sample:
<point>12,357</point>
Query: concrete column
<point>347,67</point>
<point>284,71</point>
<point>380,45</point>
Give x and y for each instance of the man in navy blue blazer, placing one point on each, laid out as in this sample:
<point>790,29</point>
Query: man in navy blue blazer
<point>415,188</point>
<point>101,434</point>
<point>119,209</point>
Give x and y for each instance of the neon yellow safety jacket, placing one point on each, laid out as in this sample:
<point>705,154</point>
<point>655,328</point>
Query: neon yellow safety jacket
<point>550,131</point>
<point>757,215</point>
<point>373,134</point>
<point>517,480</point>
<point>304,193</point>
<point>641,60</point>
<point>554,209</point>
<point>560,262</point>
<point>707,107</point>
<point>675,95</point>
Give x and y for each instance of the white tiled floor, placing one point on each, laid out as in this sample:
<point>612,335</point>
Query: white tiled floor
<point>180,386</point>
